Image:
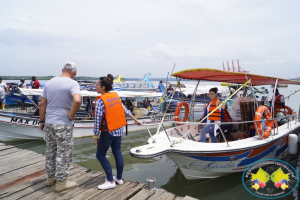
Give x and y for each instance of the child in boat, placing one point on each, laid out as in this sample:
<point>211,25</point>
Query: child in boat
<point>215,116</point>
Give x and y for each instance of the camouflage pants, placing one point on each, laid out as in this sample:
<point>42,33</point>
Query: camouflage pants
<point>59,150</point>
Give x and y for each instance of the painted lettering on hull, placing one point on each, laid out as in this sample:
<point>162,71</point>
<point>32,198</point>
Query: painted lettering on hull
<point>24,121</point>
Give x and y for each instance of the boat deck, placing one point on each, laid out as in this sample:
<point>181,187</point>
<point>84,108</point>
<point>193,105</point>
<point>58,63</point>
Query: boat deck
<point>23,176</point>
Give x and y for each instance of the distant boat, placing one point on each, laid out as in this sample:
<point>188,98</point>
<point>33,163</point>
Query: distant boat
<point>143,85</point>
<point>280,85</point>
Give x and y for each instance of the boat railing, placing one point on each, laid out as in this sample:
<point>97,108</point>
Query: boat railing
<point>273,132</point>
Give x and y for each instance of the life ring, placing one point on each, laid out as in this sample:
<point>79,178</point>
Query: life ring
<point>288,112</point>
<point>269,124</point>
<point>177,111</point>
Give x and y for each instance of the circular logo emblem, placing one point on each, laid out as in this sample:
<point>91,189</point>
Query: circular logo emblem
<point>270,178</point>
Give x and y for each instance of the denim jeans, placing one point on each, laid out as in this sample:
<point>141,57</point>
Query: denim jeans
<point>106,140</point>
<point>208,129</point>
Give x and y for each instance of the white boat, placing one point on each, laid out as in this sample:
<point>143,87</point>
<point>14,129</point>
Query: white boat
<point>22,126</point>
<point>143,85</point>
<point>209,160</point>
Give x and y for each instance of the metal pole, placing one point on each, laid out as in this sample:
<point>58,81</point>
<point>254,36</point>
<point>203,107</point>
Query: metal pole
<point>223,135</point>
<point>167,135</point>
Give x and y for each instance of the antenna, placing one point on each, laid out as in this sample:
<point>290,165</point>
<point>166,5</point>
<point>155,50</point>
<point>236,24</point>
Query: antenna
<point>239,67</point>
<point>228,66</point>
<point>233,69</point>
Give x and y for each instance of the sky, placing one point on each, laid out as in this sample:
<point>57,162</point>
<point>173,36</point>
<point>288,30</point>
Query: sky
<point>134,37</point>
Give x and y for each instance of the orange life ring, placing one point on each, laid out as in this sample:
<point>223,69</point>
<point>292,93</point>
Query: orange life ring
<point>269,124</point>
<point>177,111</point>
<point>288,112</point>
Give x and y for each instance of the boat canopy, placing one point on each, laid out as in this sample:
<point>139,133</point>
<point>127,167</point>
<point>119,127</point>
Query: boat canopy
<point>230,77</point>
<point>94,94</point>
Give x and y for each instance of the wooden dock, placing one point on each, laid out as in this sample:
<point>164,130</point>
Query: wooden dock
<point>22,176</point>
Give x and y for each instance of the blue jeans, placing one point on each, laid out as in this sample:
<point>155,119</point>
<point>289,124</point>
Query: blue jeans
<point>106,140</point>
<point>35,97</point>
<point>208,129</point>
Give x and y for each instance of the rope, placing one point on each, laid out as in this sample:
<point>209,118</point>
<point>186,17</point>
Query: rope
<point>288,97</point>
<point>245,84</point>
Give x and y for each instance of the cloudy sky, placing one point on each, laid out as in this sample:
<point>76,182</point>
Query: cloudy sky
<point>133,37</point>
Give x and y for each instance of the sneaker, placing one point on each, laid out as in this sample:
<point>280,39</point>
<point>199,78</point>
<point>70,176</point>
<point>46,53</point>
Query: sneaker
<point>64,185</point>
<point>50,180</point>
<point>107,185</point>
<point>120,182</point>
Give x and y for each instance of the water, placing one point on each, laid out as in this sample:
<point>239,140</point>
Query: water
<point>162,168</point>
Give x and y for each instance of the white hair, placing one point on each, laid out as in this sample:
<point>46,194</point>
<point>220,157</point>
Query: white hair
<point>70,66</point>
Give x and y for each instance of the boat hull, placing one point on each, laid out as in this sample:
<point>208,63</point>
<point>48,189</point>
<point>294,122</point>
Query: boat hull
<point>202,165</point>
<point>14,127</point>
<point>198,160</point>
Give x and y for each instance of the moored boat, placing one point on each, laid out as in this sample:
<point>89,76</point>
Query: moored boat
<point>209,160</point>
<point>24,126</point>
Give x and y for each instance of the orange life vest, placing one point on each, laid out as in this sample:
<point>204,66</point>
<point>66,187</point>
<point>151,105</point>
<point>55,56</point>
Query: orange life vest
<point>227,117</point>
<point>114,111</point>
<point>98,97</point>
<point>215,116</point>
<point>278,104</point>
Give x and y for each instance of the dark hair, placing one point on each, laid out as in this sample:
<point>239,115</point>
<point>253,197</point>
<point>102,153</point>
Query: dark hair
<point>33,78</point>
<point>160,81</point>
<point>215,90</point>
<point>107,82</point>
<point>1,78</point>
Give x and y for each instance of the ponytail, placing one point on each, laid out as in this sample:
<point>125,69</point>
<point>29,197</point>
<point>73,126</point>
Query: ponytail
<point>107,82</point>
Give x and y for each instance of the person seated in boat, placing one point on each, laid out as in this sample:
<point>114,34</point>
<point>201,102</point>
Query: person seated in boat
<point>215,117</point>
<point>279,100</point>
<point>279,104</point>
<point>170,89</point>
<point>226,128</point>
<point>129,106</point>
<point>22,85</point>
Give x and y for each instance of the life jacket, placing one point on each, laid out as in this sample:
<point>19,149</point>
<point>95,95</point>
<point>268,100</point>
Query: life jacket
<point>227,117</point>
<point>98,97</point>
<point>217,115</point>
<point>278,104</point>
<point>114,112</point>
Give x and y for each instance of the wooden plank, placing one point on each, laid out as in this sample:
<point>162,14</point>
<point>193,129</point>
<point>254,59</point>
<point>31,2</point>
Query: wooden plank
<point>22,179</point>
<point>4,147</point>
<point>158,194</point>
<point>189,198</point>
<point>83,178</point>
<point>16,155</point>
<point>21,172</point>
<point>171,196</point>
<point>9,151</point>
<point>92,183</point>
<point>129,192</point>
<point>18,165</point>
<point>49,191</point>
<point>29,183</point>
<point>178,198</point>
<point>104,194</point>
<point>143,194</point>
<point>42,184</point>
<point>88,194</point>
<point>20,159</point>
